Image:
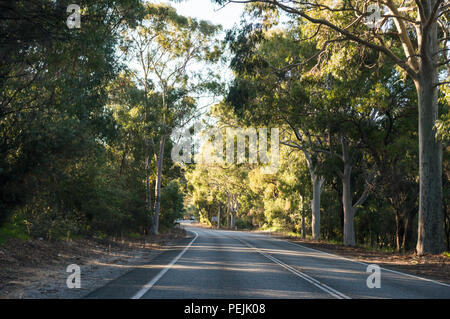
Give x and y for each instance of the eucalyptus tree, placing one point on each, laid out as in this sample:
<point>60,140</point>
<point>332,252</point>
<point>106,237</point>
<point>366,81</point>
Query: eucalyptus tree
<point>420,29</point>
<point>166,47</point>
<point>267,91</point>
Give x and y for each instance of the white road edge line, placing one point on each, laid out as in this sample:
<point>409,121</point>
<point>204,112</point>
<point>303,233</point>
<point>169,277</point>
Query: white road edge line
<point>304,276</point>
<point>150,284</point>
<point>362,263</point>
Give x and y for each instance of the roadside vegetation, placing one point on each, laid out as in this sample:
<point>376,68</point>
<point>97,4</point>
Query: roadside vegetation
<point>83,135</point>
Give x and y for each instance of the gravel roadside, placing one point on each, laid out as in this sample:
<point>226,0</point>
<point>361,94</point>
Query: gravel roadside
<point>37,269</point>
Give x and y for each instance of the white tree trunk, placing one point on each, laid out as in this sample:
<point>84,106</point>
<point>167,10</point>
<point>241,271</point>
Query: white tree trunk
<point>430,225</point>
<point>218,219</point>
<point>430,237</point>
<point>233,220</point>
<point>317,182</point>
<point>159,161</point>
<point>349,211</point>
<point>303,225</point>
<point>148,195</point>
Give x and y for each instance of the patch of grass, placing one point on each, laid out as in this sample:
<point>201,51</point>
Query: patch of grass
<point>268,228</point>
<point>377,249</point>
<point>446,253</point>
<point>333,241</point>
<point>134,235</point>
<point>295,234</point>
<point>281,231</point>
<point>100,235</point>
<point>13,230</point>
<point>292,234</point>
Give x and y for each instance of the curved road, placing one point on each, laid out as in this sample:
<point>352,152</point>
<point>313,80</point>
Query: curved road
<point>241,265</point>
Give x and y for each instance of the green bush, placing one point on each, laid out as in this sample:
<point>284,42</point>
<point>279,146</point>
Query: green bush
<point>172,206</point>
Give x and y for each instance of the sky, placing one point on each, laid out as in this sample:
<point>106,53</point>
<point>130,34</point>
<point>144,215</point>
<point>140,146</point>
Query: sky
<point>204,9</point>
<point>227,16</point>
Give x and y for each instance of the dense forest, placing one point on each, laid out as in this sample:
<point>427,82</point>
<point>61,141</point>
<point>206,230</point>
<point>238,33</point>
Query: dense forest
<point>88,118</point>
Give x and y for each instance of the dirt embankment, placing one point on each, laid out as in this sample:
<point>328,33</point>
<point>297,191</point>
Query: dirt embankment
<point>37,268</point>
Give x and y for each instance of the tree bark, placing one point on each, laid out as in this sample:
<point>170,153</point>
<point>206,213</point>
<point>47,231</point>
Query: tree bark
<point>159,161</point>
<point>218,219</point>
<point>349,211</point>
<point>407,232</point>
<point>124,155</point>
<point>233,220</point>
<point>399,232</point>
<point>148,194</point>
<point>303,225</point>
<point>430,226</point>
<point>315,205</point>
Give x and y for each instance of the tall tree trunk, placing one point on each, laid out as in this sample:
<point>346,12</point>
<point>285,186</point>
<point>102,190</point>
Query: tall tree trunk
<point>233,220</point>
<point>430,226</point>
<point>349,211</point>
<point>159,161</point>
<point>303,225</point>
<point>218,219</point>
<point>148,194</point>
<point>407,232</point>
<point>317,182</point>
<point>122,162</point>
<point>347,198</point>
<point>399,231</point>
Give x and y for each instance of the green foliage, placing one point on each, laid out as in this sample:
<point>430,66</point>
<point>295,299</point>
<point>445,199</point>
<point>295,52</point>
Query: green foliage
<point>172,204</point>
<point>14,229</point>
<point>71,160</point>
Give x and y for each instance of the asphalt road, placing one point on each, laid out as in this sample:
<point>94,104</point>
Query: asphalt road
<point>226,264</point>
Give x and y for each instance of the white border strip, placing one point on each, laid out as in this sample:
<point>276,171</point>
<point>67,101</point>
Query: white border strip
<point>150,284</point>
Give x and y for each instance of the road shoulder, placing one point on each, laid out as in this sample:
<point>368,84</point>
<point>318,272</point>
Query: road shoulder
<point>37,269</point>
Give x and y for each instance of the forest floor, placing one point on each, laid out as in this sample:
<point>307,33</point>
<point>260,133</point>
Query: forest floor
<point>435,267</point>
<point>37,268</point>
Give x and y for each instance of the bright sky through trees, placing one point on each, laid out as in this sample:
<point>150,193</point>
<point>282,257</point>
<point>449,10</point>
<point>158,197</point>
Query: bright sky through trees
<point>206,10</point>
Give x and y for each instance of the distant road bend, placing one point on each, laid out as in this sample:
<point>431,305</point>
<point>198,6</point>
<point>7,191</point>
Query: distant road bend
<point>237,265</point>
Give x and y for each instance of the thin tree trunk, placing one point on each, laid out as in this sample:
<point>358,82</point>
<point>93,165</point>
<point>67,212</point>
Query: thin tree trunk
<point>315,205</point>
<point>407,232</point>
<point>399,232</point>
<point>148,195</point>
<point>233,220</point>
<point>218,219</point>
<point>349,230</point>
<point>349,211</point>
<point>303,225</point>
<point>159,161</point>
<point>122,162</point>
